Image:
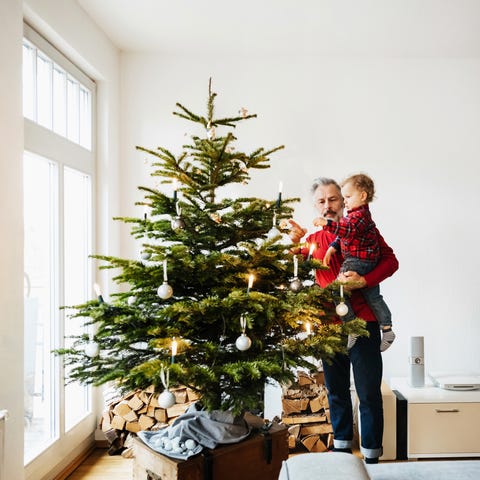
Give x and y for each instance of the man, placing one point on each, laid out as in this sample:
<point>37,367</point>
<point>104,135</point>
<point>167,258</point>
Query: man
<point>365,356</point>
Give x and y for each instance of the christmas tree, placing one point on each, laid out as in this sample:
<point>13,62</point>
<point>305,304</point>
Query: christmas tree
<point>216,301</point>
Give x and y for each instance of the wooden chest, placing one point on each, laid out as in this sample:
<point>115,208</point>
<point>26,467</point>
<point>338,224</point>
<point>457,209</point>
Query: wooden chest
<point>260,456</point>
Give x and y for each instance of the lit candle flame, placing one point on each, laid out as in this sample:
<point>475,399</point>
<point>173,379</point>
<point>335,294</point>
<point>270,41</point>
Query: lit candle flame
<point>251,277</point>
<point>310,251</point>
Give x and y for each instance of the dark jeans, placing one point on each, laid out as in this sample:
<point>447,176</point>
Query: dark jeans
<point>371,295</point>
<point>366,361</point>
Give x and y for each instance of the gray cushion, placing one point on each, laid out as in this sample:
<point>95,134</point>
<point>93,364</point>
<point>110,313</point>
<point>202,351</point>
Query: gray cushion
<point>329,465</point>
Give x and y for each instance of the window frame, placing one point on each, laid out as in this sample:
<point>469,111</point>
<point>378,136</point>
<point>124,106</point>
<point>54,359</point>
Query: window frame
<point>65,154</point>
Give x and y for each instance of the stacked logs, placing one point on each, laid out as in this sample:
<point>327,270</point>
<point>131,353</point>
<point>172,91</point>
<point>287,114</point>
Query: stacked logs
<point>306,412</point>
<point>140,410</point>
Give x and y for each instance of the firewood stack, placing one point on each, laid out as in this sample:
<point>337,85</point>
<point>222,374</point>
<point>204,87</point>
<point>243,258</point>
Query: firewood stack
<point>139,410</point>
<point>307,414</point>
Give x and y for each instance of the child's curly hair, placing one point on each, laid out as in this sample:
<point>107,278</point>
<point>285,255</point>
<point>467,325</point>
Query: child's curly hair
<point>363,183</point>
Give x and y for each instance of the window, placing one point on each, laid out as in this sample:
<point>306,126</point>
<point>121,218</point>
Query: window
<point>58,218</point>
<point>54,98</point>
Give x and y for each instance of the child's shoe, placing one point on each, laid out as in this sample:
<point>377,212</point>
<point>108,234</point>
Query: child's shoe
<point>388,336</point>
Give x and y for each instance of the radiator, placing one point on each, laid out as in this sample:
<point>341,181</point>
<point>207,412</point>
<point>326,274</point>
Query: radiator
<point>3,417</point>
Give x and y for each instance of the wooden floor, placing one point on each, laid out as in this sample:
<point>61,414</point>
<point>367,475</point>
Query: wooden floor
<point>101,466</point>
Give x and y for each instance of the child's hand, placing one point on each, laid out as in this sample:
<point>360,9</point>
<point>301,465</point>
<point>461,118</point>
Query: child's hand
<point>319,221</point>
<point>328,255</point>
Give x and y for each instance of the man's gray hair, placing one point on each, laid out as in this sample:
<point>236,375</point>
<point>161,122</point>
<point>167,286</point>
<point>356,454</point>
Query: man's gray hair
<point>325,182</point>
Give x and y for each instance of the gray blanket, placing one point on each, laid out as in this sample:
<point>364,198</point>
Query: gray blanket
<point>195,430</point>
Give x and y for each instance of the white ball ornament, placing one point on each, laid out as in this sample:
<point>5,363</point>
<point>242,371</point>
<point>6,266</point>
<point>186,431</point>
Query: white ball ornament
<point>243,342</point>
<point>166,399</point>
<point>131,300</point>
<point>296,285</point>
<point>273,233</point>
<point>145,255</point>
<point>177,223</point>
<point>91,349</point>
<point>341,309</point>
<point>165,291</point>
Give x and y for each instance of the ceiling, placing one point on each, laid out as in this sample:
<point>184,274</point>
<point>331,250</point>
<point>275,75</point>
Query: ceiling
<point>418,28</point>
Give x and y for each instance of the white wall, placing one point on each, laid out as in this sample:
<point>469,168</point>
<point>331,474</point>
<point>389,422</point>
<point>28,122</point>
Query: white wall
<point>411,123</point>
<point>67,26</point>
<point>11,253</point>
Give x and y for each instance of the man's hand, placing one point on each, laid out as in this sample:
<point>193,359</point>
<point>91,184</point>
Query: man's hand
<point>297,232</point>
<point>352,280</point>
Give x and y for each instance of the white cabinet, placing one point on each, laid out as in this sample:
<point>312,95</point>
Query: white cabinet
<point>440,423</point>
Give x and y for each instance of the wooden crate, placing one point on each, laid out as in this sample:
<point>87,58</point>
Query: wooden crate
<point>259,456</point>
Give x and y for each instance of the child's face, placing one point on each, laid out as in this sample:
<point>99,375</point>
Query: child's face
<point>353,197</point>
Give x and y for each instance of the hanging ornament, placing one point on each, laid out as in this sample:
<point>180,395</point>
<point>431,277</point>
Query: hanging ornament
<point>145,255</point>
<point>91,349</point>
<point>177,222</point>
<point>243,342</point>
<point>131,300</point>
<point>341,308</point>
<point>165,291</point>
<point>296,284</point>
<point>273,232</point>
<point>166,399</point>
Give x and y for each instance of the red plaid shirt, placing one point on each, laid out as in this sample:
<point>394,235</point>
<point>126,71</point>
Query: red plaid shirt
<point>356,234</point>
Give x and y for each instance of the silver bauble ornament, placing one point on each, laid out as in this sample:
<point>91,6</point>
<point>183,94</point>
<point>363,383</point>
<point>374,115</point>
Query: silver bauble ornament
<point>166,399</point>
<point>177,223</point>
<point>243,342</point>
<point>296,285</point>
<point>91,349</point>
<point>145,255</point>
<point>165,291</point>
<point>274,232</point>
<point>341,309</point>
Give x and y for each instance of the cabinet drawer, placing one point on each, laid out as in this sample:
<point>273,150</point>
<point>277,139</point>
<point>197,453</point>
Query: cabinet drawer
<point>443,428</point>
